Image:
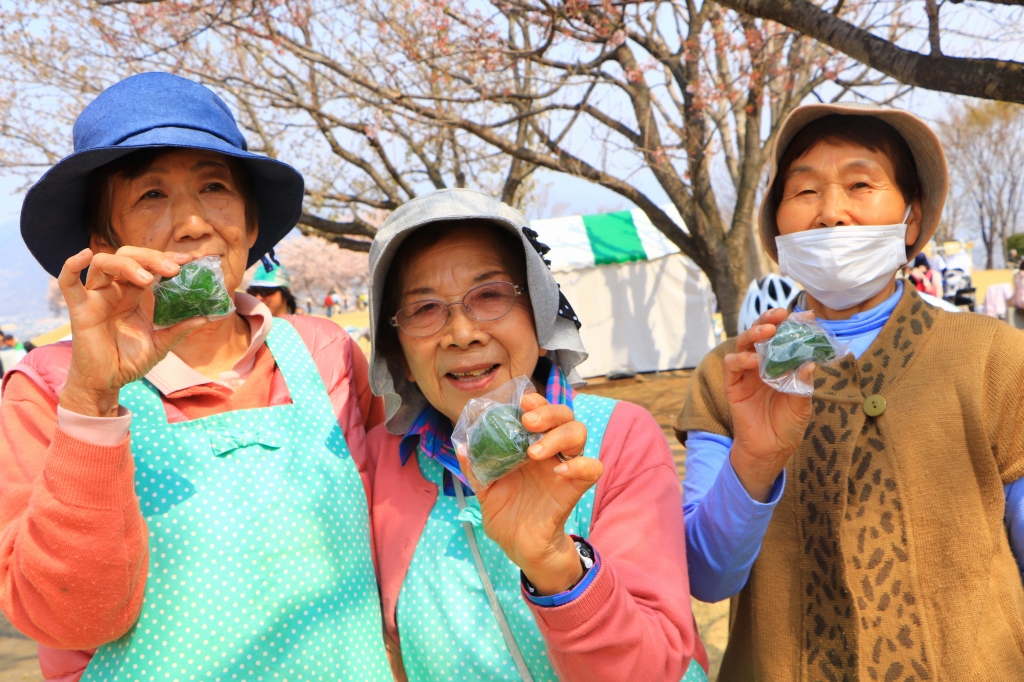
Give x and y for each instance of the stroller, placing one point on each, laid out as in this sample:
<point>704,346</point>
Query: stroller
<point>957,288</point>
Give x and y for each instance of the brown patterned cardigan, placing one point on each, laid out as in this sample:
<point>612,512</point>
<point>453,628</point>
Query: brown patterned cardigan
<point>887,557</point>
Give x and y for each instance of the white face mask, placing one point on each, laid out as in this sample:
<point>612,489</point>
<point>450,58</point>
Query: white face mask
<point>844,266</point>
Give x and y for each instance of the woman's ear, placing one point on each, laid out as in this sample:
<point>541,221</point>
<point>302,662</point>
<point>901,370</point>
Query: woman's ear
<point>914,222</point>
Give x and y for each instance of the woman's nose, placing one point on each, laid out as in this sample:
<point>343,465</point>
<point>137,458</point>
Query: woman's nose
<point>189,218</point>
<point>462,330</point>
<point>834,208</point>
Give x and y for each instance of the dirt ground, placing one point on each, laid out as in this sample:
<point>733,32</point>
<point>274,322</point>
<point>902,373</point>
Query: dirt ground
<point>663,394</point>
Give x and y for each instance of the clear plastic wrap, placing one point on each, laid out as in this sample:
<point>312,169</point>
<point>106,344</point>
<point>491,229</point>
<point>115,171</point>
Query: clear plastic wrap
<point>491,431</point>
<point>797,341</point>
<point>197,291</point>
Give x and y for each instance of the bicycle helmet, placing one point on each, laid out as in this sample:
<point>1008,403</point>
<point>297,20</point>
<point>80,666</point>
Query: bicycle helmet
<point>773,291</point>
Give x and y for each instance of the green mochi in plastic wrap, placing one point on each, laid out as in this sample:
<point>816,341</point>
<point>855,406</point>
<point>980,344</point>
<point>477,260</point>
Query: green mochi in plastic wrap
<point>797,343</point>
<point>197,291</point>
<point>498,442</point>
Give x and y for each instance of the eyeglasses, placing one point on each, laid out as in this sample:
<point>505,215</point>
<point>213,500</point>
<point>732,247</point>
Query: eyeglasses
<point>486,302</point>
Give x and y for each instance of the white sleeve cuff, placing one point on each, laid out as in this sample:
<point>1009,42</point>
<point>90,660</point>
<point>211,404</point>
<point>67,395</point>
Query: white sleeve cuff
<point>102,431</point>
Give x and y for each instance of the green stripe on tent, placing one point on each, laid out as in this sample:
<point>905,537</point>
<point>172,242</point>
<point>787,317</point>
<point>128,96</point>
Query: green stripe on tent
<point>613,238</point>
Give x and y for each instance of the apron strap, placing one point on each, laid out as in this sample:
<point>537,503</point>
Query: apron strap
<point>499,615</point>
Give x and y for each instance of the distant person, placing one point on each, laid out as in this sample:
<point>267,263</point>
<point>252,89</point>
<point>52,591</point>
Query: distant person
<point>1016,311</point>
<point>924,278</point>
<point>329,304</point>
<point>273,288</point>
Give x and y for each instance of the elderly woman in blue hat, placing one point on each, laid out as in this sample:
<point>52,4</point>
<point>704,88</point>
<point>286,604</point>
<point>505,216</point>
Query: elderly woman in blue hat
<point>195,512</point>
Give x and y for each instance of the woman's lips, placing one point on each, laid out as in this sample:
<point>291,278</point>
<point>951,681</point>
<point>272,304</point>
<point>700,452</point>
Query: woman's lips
<point>472,379</point>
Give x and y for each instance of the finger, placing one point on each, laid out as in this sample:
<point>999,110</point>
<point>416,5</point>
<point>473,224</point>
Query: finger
<point>584,469</point>
<point>772,316</point>
<point>166,339</point>
<point>547,417</point>
<point>745,341</point>
<point>532,401</point>
<point>107,267</point>
<point>70,278</point>
<point>568,439</point>
<point>740,362</point>
<point>737,366</point>
<point>467,469</point>
<point>163,263</point>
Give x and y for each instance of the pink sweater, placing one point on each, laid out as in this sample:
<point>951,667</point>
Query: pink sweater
<point>73,547</point>
<point>634,621</point>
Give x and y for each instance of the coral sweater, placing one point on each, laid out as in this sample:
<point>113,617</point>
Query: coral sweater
<point>633,623</point>
<point>73,546</point>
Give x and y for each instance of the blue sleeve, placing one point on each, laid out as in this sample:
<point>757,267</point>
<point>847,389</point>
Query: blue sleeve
<point>1015,520</point>
<point>724,525</point>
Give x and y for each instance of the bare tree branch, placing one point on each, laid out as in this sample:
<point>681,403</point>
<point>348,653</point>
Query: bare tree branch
<point>985,78</point>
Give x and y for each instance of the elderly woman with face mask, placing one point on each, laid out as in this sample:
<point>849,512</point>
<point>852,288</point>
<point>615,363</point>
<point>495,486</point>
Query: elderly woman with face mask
<point>197,512</point>
<point>861,531</point>
<point>541,574</point>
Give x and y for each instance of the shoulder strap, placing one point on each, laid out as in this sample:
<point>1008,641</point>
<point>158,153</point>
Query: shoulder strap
<point>499,615</point>
<point>594,411</point>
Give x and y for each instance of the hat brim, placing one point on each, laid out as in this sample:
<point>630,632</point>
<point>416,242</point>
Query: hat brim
<point>53,221</point>
<point>924,144</point>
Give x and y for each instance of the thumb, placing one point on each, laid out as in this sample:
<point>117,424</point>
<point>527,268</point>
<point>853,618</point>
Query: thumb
<point>166,339</point>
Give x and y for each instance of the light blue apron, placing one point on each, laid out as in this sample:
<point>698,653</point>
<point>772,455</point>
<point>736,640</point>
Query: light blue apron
<point>259,542</point>
<point>449,630</point>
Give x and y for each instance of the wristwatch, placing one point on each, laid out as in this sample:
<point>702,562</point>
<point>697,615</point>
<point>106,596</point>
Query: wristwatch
<point>586,554</point>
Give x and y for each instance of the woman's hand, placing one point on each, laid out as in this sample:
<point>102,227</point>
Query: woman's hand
<point>525,512</point>
<point>767,425</point>
<point>114,342</point>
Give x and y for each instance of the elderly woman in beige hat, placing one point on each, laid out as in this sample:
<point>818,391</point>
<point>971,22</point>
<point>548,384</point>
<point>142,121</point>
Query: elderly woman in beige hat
<point>860,531</point>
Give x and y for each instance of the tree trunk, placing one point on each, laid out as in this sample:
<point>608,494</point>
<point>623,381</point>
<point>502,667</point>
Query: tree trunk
<point>729,270</point>
<point>729,282</point>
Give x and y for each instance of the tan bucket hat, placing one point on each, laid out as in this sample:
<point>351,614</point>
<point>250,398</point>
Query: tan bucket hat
<point>924,145</point>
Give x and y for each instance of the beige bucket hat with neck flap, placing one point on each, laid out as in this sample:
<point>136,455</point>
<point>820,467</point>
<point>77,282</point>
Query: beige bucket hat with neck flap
<point>924,144</point>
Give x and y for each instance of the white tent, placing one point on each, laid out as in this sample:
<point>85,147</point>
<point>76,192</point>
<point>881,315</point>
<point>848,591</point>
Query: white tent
<point>644,306</point>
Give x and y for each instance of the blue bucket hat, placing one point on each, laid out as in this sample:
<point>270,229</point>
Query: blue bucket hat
<point>150,110</point>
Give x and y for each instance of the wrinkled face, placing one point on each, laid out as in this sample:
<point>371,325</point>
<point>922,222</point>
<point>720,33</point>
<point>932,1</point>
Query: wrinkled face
<point>842,185</point>
<point>468,357</point>
<point>186,201</point>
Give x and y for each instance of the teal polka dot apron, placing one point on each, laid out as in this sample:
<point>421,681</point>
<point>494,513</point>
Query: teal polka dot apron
<point>448,630</point>
<point>259,545</point>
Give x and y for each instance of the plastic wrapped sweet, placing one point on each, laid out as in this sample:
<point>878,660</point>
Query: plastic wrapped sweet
<point>197,291</point>
<point>491,431</point>
<point>797,341</point>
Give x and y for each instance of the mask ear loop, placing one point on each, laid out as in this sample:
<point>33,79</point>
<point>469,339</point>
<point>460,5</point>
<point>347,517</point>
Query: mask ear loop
<point>906,216</point>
